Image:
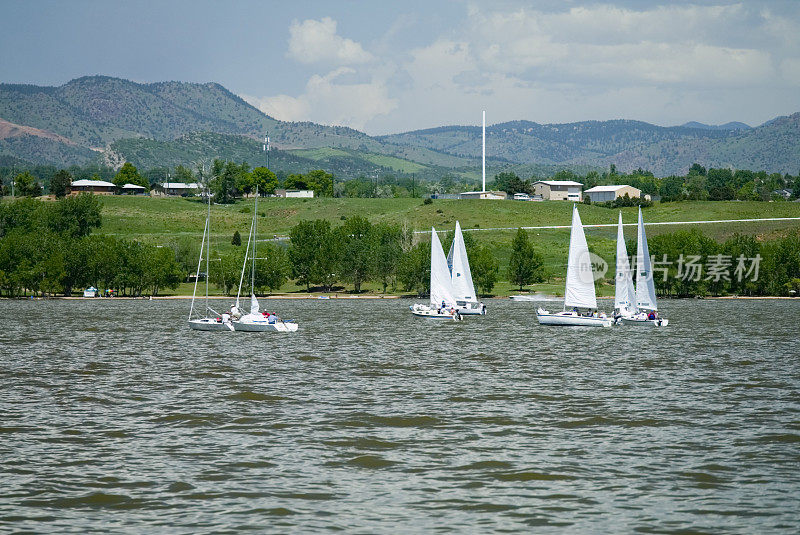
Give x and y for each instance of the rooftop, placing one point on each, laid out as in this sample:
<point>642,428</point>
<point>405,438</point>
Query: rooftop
<point>559,182</point>
<point>598,189</point>
<point>85,182</point>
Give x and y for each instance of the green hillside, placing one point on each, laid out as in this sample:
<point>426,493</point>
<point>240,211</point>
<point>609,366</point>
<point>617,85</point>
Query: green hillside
<point>98,111</point>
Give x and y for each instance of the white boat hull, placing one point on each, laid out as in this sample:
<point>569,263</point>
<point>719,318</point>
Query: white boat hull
<point>258,323</point>
<point>571,319</point>
<point>209,324</point>
<point>477,309</point>
<point>422,311</point>
<point>644,322</point>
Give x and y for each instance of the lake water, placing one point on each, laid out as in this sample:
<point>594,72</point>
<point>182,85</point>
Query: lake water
<point>115,417</point>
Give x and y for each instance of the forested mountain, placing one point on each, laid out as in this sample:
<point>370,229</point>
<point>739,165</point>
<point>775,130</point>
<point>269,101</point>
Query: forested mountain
<point>113,120</point>
<point>627,144</point>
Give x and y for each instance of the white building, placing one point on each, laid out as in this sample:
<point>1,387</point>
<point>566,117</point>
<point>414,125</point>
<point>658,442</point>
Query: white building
<point>558,190</point>
<point>491,195</point>
<point>296,193</point>
<point>611,193</point>
<point>99,187</point>
<point>522,197</point>
<point>133,189</point>
<point>179,188</point>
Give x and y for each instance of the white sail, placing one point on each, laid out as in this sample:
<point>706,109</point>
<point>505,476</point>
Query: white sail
<point>254,308</point>
<point>441,286</point>
<point>624,294</point>
<point>579,290</point>
<point>645,288</point>
<point>461,275</point>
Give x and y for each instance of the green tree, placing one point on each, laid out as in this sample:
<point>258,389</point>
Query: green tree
<point>265,180</point>
<point>485,268</point>
<point>321,182</point>
<point>414,270</point>
<point>128,174</point>
<point>60,183</point>
<point>296,181</point>
<point>314,253</point>
<point>272,268</point>
<point>671,188</point>
<point>75,215</point>
<point>226,179</point>
<point>237,239</point>
<point>358,251</point>
<point>388,251</point>
<point>525,265</point>
<point>161,269</point>
<point>225,272</point>
<point>183,174</point>
<point>26,185</point>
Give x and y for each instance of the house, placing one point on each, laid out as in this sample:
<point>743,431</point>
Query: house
<point>133,189</point>
<point>98,187</point>
<point>522,197</point>
<point>179,188</point>
<point>491,195</point>
<point>289,193</point>
<point>611,193</point>
<point>785,193</point>
<point>558,190</point>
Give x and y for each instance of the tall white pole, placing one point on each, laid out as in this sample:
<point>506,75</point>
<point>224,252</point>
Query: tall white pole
<point>483,174</point>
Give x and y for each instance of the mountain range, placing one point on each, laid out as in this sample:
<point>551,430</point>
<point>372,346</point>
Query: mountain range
<point>111,120</point>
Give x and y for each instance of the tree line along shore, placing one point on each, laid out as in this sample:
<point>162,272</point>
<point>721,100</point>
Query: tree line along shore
<point>143,246</point>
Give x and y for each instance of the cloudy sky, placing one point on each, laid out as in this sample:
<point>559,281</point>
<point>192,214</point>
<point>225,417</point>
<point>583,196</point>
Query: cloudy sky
<point>385,67</point>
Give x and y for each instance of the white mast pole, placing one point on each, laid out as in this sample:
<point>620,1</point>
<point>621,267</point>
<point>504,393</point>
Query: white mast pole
<point>484,151</point>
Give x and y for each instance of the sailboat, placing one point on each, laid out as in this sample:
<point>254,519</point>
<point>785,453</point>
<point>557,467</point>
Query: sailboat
<point>255,320</point>
<point>624,294</point>
<point>442,301</point>
<point>202,321</point>
<point>579,291</point>
<point>461,277</point>
<point>646,307</point>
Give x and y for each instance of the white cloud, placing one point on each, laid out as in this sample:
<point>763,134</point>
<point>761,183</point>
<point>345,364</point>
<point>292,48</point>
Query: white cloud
<point>316,41</point>
<point>328,100</point>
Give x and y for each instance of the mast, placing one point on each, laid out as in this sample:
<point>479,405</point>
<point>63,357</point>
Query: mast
<point>208,249</point>
<point>483,173</point>
<point>253,267</point>
<point>197,274</point>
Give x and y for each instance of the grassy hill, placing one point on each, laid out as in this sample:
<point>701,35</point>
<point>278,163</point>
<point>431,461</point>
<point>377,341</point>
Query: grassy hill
<point>162,221</point>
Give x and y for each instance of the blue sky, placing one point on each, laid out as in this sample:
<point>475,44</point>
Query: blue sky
<point>386,67</point>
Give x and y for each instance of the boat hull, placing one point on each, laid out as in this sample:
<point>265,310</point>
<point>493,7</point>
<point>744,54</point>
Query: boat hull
<point>644,322</point>
<point>209,324</point>
<point>421,311</point>
<point>261,324</point>
<point>478,310</point>
<point>569,319</point>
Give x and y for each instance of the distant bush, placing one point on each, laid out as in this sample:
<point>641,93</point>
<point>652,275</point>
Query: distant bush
<point>428,200</point>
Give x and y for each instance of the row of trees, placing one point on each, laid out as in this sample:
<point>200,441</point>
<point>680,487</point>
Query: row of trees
<point>688,263</point>
<point>48,248</point>
<point>320,255</point>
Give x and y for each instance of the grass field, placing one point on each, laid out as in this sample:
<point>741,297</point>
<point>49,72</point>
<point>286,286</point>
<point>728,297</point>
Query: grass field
<point>162,220</point>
